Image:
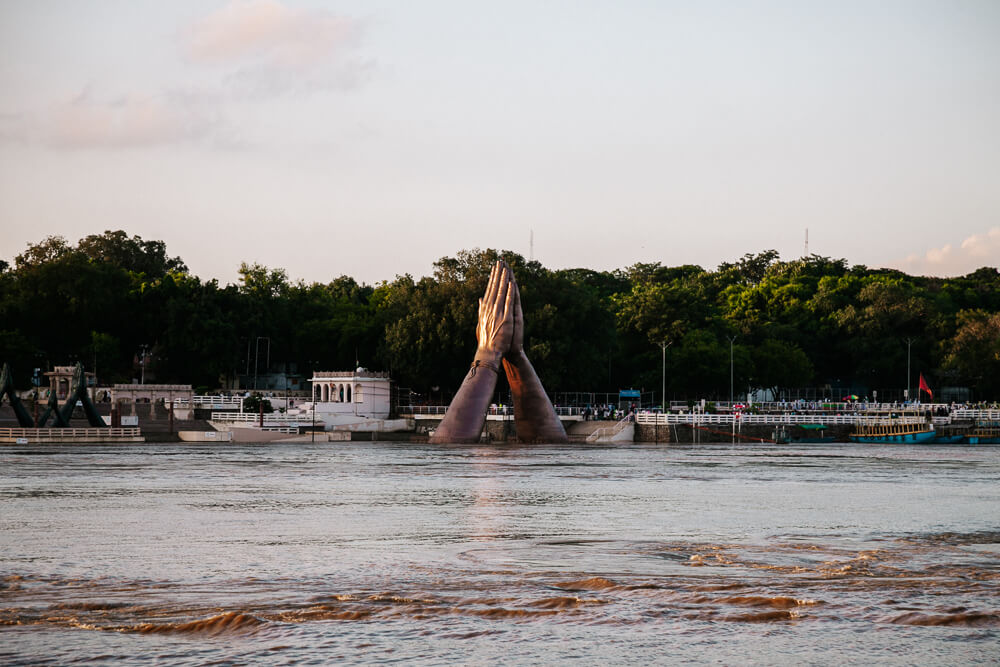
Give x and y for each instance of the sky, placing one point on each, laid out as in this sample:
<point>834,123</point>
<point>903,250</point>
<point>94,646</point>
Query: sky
<point>371,138</point>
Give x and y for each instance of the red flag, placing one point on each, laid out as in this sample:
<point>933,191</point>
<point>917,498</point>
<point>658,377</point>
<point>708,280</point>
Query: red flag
<point>923,385</point>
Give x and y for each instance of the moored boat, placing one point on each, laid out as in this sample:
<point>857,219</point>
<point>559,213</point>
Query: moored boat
<point>984,433</point>
<point>893,430</point>
<point>816,433</point>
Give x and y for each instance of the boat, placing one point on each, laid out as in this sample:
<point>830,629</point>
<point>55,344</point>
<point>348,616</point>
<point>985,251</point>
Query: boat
<point>984,433</point>
<point>951,434</point>
<point>893,430</point>
<point>819,429</point>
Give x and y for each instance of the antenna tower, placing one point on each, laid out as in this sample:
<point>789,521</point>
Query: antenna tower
<point>807,243</point>
<point>531,245</point>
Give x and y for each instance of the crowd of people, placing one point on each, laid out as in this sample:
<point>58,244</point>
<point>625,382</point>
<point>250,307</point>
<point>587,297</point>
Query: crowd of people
<point>608,411</point>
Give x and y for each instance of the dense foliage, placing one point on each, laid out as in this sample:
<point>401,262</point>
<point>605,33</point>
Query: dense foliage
<point>809,322</point>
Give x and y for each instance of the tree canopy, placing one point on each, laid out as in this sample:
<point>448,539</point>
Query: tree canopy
<point>772,324</point>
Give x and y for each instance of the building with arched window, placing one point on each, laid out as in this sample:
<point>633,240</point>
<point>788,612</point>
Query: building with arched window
<point>344,397</point>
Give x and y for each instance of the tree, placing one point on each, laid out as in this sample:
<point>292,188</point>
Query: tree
<point>104,353</point>
<point>974,350</point>
<point>131,254</point>
<point>779,365</point>
<point>751,268</point>
<point>47,250</point>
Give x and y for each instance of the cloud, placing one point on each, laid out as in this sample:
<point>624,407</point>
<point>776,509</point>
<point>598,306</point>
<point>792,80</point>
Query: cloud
<point>974,252</point>
<point>250,51</point>
<point>269,50</point>
<point>270,34</point>
<point>129,121</point>
<point>260,82</point>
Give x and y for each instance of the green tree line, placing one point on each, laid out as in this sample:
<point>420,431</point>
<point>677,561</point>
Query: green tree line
<point>811,321</point>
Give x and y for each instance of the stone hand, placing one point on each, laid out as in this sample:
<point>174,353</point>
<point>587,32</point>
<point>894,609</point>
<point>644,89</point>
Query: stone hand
<point>517,340</point>
<point>496,314</point>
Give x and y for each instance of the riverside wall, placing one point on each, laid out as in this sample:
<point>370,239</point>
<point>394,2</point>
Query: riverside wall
<point>748,433</point>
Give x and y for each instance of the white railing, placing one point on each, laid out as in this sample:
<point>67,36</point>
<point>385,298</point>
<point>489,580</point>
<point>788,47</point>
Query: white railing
<point>976,414</point>
<point>115,432</point>
<point>210,402</point>
<point>698,418</point>
<point>273,419</point>
<point>609,431</point>
<point>423,409</point>
<point>507,410</point>
<point>814,406</point>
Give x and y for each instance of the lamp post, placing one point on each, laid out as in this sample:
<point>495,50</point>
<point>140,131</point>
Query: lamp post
<point>142,363</point>
<point>312,394</point>
<point>732,339</point>
<point>663,377</point>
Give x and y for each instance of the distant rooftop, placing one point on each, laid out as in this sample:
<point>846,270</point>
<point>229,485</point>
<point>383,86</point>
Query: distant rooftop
<point>359,373</point>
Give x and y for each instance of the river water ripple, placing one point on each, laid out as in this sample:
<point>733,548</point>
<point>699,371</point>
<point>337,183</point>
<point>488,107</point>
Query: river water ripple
<point>386,552</point>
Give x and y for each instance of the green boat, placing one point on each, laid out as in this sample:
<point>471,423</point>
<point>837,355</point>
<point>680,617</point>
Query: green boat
<point>815,434</point>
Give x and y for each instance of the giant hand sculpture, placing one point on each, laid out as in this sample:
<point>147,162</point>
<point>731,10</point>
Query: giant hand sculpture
<point>463,423</point>
<point>500,335</point>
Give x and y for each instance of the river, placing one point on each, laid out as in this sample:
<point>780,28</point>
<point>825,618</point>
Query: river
<point>388,552</point>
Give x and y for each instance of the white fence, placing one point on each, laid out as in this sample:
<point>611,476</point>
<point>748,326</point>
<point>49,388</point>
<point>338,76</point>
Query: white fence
<point>25,435</point>
<point>273,419</point>
<point>423,410</point>
<point>272,422</point>
<point>507,410</point>
<point>210,402</point>
<point>814,406</point>
<point>698,418</point>
<point>982,415</point>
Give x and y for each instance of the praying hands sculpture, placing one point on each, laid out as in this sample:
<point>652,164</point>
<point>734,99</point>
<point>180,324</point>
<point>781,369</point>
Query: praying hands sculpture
<point>500,333</point>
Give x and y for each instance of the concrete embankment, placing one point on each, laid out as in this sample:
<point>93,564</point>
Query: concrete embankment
<point>749,433</point>
<point>506,430</point>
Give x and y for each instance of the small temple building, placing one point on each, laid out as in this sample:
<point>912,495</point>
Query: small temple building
<point>61,382</point>
<point>344,397</point>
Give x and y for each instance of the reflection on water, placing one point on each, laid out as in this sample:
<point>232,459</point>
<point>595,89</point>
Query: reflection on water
<point>388,552</point>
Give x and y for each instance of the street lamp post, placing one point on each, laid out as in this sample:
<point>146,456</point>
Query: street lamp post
<point>142,363</point>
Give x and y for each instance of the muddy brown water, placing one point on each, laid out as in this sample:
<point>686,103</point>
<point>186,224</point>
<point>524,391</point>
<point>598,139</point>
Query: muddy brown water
<point>391,552</point>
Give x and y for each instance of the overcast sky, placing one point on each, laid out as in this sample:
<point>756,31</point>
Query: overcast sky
<point>370,138</point>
